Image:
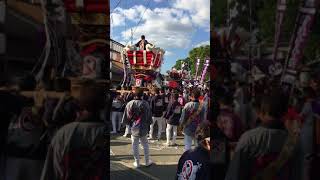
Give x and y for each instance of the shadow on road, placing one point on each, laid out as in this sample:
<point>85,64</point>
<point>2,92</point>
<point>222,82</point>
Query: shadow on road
<point>167,172</point>
<point>119,143</point>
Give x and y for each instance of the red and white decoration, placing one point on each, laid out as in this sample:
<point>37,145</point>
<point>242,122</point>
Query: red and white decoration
<point>91,6</point>
<point>144,63</point>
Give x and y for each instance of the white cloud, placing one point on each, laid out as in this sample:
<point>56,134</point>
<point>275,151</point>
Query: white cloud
<point>158,1</point>
<point>117,19</point>
<point>199,10</point>
<point>166,27</point>
<point>203,43</point>
<point>169,53</point>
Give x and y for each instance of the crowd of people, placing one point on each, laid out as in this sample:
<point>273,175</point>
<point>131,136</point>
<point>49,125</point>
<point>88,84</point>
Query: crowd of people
<point>173,111</point>
<point>272,131</point>
<point>52,136</point>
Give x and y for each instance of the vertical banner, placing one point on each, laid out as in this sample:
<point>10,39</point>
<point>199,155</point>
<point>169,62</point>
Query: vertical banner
<point>204,71</point>
<point>305,20</point>
<point>281,8</point>
<point>197,68</point>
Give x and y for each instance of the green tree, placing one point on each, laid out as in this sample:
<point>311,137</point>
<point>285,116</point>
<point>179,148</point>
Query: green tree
<point>179,63</point>
<point>264,16</point>
<point>267,20</point>
<point>202,52</point>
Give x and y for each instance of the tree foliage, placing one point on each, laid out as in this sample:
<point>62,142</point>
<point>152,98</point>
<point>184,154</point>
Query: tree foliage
<point>202,52</point>
<point>264,15</point>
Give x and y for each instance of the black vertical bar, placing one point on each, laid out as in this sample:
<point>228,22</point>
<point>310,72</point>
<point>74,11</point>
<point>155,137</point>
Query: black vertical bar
<point>4,60</point>
<point>108,70</point>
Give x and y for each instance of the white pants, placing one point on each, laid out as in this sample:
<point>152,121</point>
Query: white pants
<point>188,142</point>
<point>128,130</point>
<point>168,133</point>
<point>164,125</point>
<point>159,122</point>
<point>135,148</point>
<point>116,120</point>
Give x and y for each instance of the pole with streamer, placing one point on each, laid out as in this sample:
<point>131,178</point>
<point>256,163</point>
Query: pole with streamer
<point>197,68</point>
<point>204,71</point>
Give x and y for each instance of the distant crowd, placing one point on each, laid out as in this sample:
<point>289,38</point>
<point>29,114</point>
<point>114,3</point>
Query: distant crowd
<point>272,130</point>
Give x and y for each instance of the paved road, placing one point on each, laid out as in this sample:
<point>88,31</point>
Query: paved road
<point>165,158</point>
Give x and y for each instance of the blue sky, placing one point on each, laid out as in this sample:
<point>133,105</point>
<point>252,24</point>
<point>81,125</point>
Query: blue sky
<point>174,25</point>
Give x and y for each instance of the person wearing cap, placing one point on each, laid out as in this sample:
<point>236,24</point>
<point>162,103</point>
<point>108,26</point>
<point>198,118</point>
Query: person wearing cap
<point>195,164</point>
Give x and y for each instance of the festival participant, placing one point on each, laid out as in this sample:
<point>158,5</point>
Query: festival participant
<point>21,154</point>
<point>268,151</point>
<point>76,140</point>
<point>307,137</point>
<point>239,100</point>
<point>227,120</point>
<point>181,99</point>
<point>192,115</point>
<point>128,97</point>
<point>138,114</point>
<point>195,164</point>
<point>172,115</point>
<point>59,111</point>
<point>116,113</point>
<point>157,107</point>
<point>142,43</point>
<point>166,96</point>
<point>315,83</point>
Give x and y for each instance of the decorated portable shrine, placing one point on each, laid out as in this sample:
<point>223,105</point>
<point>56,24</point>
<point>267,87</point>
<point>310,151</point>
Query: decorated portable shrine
<point>143,65</point>
<point>175,79</point>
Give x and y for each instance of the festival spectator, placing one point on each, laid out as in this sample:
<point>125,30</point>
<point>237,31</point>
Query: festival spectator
<point>76,140</point>
<point>195,164</point>
<point>192,115</point>
<point>172,115</point>
<point>268,151</point>
<point>138,114</point>
<point>166,96</point>
<point>127,99</point>
<point>307,137</point>
<point>228,121</point>
<point>157,108</point>
<point>116,113</point>
<point>16,159</point>
<point>240,104</point>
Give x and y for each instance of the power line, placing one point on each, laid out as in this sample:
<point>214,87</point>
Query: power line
<point>116,6</point>
<point>141,17</point>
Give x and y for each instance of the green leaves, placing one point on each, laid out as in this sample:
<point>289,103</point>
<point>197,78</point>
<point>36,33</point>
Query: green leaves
<point>202,52</point>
